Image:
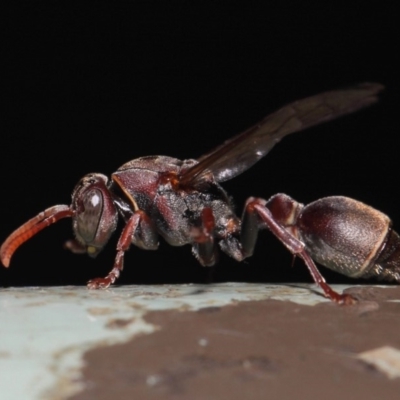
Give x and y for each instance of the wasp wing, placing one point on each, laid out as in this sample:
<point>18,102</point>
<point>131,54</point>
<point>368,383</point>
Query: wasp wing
<point>242,151</point>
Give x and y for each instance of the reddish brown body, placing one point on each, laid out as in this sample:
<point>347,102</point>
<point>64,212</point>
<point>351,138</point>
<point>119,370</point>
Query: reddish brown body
<point>151,184</point>
<point>343,234</point>
<point>183,202</point>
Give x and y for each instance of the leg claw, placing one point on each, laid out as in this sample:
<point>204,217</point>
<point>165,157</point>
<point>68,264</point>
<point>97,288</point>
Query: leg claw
<point>346,300</point>
<point>99,283</point>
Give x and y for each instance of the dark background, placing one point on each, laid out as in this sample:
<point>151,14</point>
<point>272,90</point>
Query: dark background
<point>88,87</point>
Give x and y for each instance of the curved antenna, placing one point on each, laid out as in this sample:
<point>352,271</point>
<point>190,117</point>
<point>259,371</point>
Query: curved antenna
<point>31,228</point>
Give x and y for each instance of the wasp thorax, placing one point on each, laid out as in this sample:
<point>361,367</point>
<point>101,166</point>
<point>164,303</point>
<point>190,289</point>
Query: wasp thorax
<point>95,216</point>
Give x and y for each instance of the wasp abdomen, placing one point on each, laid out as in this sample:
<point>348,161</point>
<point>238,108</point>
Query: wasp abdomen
<point>343,234</point>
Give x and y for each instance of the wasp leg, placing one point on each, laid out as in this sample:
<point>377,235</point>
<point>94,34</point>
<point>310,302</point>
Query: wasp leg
<point>203,239</point>
<point>145,235</point>
<point>257,207</point>
<point>251,224</point>
<point>138,230</point>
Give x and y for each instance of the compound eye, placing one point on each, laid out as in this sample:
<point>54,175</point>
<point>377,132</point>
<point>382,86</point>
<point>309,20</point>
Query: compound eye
<point>89,218</point>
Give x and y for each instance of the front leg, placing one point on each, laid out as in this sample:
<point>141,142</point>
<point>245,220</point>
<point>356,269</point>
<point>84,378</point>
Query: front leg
<point>259,208</point>
<point>138,229</point>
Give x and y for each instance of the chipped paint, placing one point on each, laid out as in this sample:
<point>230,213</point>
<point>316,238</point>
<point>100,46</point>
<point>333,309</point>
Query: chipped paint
<point>385,359</point>
<point>45,331</point>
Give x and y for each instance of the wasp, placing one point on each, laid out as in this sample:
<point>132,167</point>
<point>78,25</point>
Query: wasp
<point>183,202</point>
